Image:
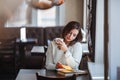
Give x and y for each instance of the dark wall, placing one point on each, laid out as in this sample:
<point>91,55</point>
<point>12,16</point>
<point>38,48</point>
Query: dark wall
<point>9,33</point>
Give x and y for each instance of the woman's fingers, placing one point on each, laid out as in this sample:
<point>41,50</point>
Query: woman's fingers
<point>59,65</point>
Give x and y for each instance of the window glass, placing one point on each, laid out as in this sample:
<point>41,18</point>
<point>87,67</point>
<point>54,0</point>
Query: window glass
<point>46,17</point>
<point>25,15</point>
<point>19,17</point>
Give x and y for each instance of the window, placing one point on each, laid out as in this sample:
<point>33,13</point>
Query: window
<point>18,17</point>
<point>47,17</point>
<point>25,15</point>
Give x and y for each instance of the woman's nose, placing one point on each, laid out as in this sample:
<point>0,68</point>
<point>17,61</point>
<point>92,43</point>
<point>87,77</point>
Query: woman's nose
<point>71,36</point>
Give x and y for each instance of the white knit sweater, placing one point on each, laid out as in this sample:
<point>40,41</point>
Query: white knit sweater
<point>71,58</point>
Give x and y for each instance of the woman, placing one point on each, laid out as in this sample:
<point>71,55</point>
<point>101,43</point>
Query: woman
<point>66,50</point>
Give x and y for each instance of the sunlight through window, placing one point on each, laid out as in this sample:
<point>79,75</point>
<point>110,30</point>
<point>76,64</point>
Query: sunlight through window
<point>46,17</point>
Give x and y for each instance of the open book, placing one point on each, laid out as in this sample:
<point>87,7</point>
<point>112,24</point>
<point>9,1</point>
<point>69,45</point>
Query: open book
<point>67,72</point>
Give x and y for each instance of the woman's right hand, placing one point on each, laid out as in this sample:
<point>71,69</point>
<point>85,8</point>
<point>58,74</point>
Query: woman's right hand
<point>59,65</point>
<point>58,41</point>
<point>61,44</point>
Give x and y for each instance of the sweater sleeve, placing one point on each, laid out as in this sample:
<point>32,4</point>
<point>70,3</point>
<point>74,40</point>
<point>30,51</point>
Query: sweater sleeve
<point>49,57</point>
<point>73,58</point>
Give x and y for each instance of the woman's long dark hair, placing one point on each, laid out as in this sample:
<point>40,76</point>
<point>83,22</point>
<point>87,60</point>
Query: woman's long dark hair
<point>73,25</point>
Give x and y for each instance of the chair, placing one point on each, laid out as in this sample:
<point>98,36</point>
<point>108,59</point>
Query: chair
<point>7,55</point>
<point>40,77</point>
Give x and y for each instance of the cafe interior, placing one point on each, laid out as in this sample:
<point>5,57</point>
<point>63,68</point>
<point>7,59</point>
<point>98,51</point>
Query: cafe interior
<point>28,26</point>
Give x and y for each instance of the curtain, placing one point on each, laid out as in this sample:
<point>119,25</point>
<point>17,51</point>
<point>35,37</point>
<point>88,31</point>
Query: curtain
<point>91,26</point>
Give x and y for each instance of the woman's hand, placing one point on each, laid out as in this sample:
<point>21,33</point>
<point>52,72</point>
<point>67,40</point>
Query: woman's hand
<point>61,44</point>
<point>59,65</point>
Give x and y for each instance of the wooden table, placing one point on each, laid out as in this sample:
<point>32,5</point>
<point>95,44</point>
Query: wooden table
<point>30,74</point>
<point>38,50</point>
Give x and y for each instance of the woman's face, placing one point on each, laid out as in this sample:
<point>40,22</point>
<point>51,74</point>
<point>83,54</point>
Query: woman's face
<point>71,35</point>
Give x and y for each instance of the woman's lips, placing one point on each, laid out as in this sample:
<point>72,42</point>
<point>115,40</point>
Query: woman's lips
<point>68,39</point>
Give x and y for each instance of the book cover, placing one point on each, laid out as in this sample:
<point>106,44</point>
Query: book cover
<point>66,72</point>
